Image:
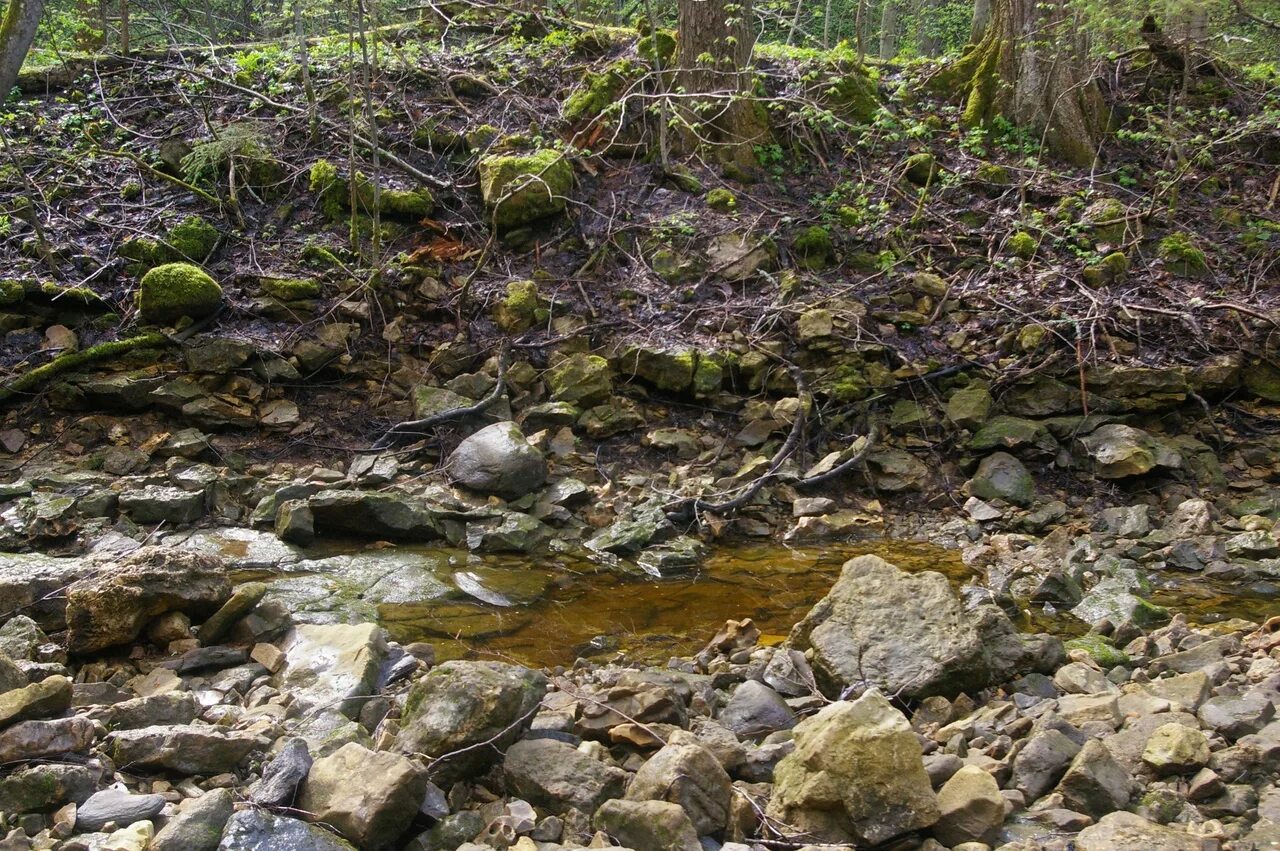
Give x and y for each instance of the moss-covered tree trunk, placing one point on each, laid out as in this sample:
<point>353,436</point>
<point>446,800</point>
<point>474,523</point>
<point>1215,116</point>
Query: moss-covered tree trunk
<point>1025,69</point>
<point>17,32</point>
<point>714,45</point>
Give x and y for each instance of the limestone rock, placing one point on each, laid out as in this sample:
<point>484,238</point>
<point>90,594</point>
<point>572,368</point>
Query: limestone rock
<point>971,807</point>
<point>112,607</point>
<point>498,460</point>
<point>198,824</point>
<point>328,669</point>
<point>1126,831</point>
<point>186,749</point>
<point>42,788</point>
<point>1095,783</point>
<point>521,189</point>
<point>910,634</point>
<point>650,825</point>
<point>258,830</point>
<point>856,775</point>
<point>38,739</point>
<point>50,696</point>
<point>1001,476</point>
<point>370,797</point>
<point>687,774</point>
<point>115,804</point>
<point>555,776</point>
<point>460,704</point>
<point>1119,451</point>
<point>283,775</point>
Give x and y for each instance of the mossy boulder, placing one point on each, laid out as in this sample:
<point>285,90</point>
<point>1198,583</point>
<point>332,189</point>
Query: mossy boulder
<point>969,407</point>
<point>518,311</point>
<point>1107,220</point>
<point>722,200</point>
<point>291,289</point>
<point>1111,269</point>
<point>11,291</point>
<point>169,292</point>
<point>581,379</point>
<point>673,370</point>
<point>1182,256</point>
<point>192,239</point>
<point>657,47</point>
<point>812,248</point>
<point>921,169</point>
<point>599,91</point>
<point>1022,245</point>
<point>993,175</point>
<point>1262,379</point>
<point>520,189</point>
<point>1098,648</point>
<point>853,96</point>
<point>337,194</point>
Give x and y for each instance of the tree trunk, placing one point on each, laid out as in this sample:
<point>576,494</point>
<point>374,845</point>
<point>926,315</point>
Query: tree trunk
<point>889,29</point>
<point>927,41</point>
<point>981,17</point>
<point>716,38</point>
<point>17,32</point>
<point>1024,70</point>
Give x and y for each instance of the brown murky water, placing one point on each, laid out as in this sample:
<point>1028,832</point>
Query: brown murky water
<point>594,612</point>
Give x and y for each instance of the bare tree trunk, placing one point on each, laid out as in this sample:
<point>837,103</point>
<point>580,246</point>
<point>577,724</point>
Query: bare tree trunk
<point>716,39</point>
<point>17,32</point>
<point>889,29</point>
<point>1025,70</point>
<point>124,27</point>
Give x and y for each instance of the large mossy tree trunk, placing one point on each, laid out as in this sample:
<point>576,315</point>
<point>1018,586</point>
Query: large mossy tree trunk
<point>17,32</point>
<point>1025,68</point>
<point>714,45</point>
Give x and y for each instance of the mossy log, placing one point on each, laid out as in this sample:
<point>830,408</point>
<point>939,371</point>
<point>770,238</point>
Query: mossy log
<point>75,360</point>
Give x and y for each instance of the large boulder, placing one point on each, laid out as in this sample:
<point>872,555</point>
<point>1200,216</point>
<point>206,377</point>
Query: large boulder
<point>370,797</point>
<point>498,460</point>
<point>182,748</point>
<point>329,671</point>
<point>971,806</point>
<point>685,772</point>
<point>169,292</point>
<point>259,830</point>
<point>366,514</point>
<point>1126,831</point>
<point>466,714</point>
<point>909,634</point>
<point>519,189</point>
<point>32,583</point>
<point>856,775</point>
<point>648,825</point>
<point>555,776</point>
<point>112,605</point>
<point>1001,476</point>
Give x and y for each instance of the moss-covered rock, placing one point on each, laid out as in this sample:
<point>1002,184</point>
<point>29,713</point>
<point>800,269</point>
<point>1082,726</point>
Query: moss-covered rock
<point>722,200</point>
<point>599,91</point>
<point>581,379</point>
<point>1022,245</point>
<point>1111,269</point>
<point>291,289</point>
<point>144,251</point>
<point>993,175</point>
<point>1182,256</point>
<point>1107,220</point>
<point>406,203</point>
<point>1099,648</point>
<point>518,311</point>
<point>11,291</point>
<point>169,292</point>
<point>337,193</point>
<point>192,239</point>
<point>921,169</point>
<point>521,189</point>
<point>658,47</point>
<point>812,248</point>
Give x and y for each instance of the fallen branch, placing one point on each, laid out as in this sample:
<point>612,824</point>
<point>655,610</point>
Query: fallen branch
<point>871,439</point>
<point>683,510</point>
<point>401,432</point>
<point>74,360</point>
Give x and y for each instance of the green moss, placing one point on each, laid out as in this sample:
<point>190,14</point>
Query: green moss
<point>169,292</point>
<point>520,189</point>
<point>480,138</point>
<point>131,191</point>
<point>1109,270</point>
<point>684,179</point>
<point>1107,219</point>
<point>921,169</point>
<point>74,360</point>
<point>11,291</point>
<point>722,199</point>
<point>336,195</point>
<point>192,239</point>
<point>291,289</point>
<point>812,249</point>
<point>599,90</point>
<point>321,257</point>
<point>1023,245</point>
<point>853,96</point>
<point>406,203</point>
<point>144,251</point>
<point>659,47</point>
<point>1182,257</point>
<point>519,310</point>
<point>332,189</point>
<point>1100,650</point>
<point>78,296</point>
<point>996,175</point>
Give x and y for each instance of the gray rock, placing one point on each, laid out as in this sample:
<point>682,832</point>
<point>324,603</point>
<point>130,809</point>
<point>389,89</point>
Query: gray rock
<point>459,705</point>
<point>856,775</point>
<point>1095,783</point>
<point>198,824</point>
<point>383,515</point>
<point>32,584</point>
<point>1042,762</point>
<point>115,804</point>
<point>498,460</point>
<point>20,637</point>
<point>294,523</point>
<point>909,634</point>
<point>241,603</point>
<point>1119,451</point>
<point>1001,476</point>
<point>555,776</point>
<point>328,670</point>
<point>651,825</point>
<point>258,830</point>
<point>1122,521</point>
<point>163,504</point>
<point>112,607</point>
<point>1236,715</point>
<point>371,797</point>
<point>684,772</point>
<point>11,676</point>
<point>450,833</point>
<point>756,710</point>
<point>42,788</point>
<point>156,709</point>
<point>38,739</point>
<point>1113,599</point>
<point>1174,749</point>
<point>283,775</point>
<point>186,749</point>
<point>1125,832</point>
